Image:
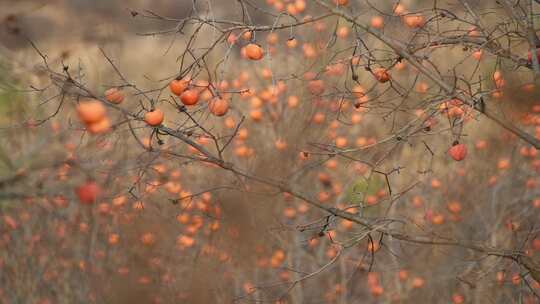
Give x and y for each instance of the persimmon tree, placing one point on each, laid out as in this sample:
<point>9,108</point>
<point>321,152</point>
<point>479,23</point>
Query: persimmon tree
<point>324,151</point>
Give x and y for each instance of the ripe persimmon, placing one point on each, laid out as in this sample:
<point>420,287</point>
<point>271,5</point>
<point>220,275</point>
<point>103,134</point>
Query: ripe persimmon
<point>454,207</point>
<point>91,111</point>
<point>477,54</point>
<point>114,95</point>
<point>381,75</point>
<point>341,142</point>
<point>266,73</point>
<point>309,50</point>
<point>376,290</point>
<point>178,86</point>
<point>272,38</point>
<point>342,32</point>
<point>316,87</point>
<point>148,238</point>
<point>300,5</point>
<point>256,114</point>
<point>403,274</point>
<point>99,127</point>
<point>291,9</point>
<point>292,43</point>
<point>458,152</point>
<point>418,282</point>
<point>218,106</point>
<point>377,22</point>
<point>113,238</point>
<point>154,118</point>
<point>437,219</point>
<point>293,101</point>
<point>422,87</point>
<point>458,299</point>
<point>280,144</point>
<point>341,2</point>
<point>279,6</point>
<point>503,164</point>
<point>497,75</point>
<point>88,192</point>
<point>185,241</point>
<point>232,38</point>
<point>319,118</point>
<point>254,51</point>
<point>247,35</point>
<point>414,21</point>
<point>189,97</point>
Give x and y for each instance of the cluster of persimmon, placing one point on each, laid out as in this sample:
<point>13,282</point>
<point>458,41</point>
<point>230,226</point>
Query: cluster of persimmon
<point>191,92</point>
<point>411,20</point>
<point>297,7</point>
<point>294,7</point>
<point>93,113</point>
<point>251,50</point>
<point>377,290</point>
<point>195,228</point>
<point>317,87</point>
<point>169,181</point>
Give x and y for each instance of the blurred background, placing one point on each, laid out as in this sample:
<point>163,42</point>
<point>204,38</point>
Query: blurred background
<point>142,242</point>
